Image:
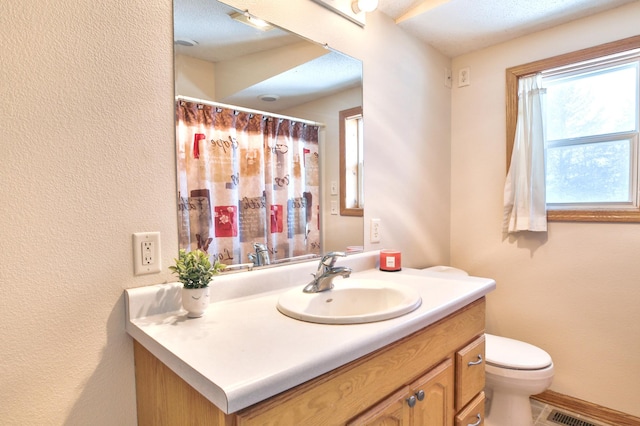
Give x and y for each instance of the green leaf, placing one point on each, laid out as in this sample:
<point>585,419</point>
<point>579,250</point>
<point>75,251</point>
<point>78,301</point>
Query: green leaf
<point>194,269</point>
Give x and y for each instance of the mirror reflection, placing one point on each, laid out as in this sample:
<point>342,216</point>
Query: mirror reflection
<point>277,97</point>
<point>351,162</point>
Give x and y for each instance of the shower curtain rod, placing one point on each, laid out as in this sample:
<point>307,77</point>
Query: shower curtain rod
<point>254,111</point>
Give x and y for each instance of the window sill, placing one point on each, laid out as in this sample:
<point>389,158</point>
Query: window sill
<point>593,215</point>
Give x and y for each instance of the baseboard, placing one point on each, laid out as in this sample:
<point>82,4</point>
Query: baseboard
<point>596,412</point>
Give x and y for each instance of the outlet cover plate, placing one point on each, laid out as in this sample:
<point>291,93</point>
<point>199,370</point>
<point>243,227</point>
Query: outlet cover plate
<point>375,231</point>
<point>146,253</point>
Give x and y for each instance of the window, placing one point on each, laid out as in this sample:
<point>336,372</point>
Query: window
<point>591,124</point>
<point>351,162</point>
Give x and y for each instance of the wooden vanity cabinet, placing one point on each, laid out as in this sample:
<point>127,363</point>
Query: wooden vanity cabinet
<point>430,399</point>
<point>373,390</point>
<point>427,401</point>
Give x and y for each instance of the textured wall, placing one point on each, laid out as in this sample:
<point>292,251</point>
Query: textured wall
<point>88,159</point>
<point>573,291</point>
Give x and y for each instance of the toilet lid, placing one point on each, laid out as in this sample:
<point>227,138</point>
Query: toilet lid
<point>514,354</point>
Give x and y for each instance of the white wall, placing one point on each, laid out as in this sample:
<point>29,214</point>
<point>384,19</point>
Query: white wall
<point>195,78</point>
<point>88,159</point>
<point>575,290</point>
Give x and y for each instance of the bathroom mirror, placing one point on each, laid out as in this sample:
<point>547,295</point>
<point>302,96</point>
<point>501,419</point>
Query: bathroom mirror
<point>223,55</point>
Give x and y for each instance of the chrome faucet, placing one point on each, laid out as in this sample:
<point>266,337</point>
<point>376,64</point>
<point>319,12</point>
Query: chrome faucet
<point>323,278</point>
<point>261,256</point>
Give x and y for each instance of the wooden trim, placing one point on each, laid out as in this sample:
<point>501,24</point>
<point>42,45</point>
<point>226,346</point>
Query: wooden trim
<point>512,76</point>
<point>579,406</point>
<point>593,215</point>
<point>344,210</point>
<point>512,110</point>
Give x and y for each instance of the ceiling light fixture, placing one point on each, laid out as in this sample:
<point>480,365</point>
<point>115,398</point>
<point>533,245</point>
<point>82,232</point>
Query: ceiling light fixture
<point>186,42</point>
<point>269,98</point>
<point>248,19</point>
<point>364,5</point>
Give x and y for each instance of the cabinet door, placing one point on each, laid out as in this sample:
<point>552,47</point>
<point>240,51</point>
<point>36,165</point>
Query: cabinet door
<point>391,411</point>
<point>428,401</point>
<point>434,392</point>
<point>470,373</point>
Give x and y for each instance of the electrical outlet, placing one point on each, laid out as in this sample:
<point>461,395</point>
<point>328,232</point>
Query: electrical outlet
<point>334,207</point>
<point>146,253</point>
<point>464,77</point>
<point>375,231</point>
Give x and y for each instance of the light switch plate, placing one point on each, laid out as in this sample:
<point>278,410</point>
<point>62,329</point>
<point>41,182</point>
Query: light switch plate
<point>447,78</point>
<point>334,187</point>
<point>146,253</point>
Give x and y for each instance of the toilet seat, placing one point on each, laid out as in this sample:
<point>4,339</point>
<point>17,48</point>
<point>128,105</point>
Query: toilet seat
<point>513,354</point>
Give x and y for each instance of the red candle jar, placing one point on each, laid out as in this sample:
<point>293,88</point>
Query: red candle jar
<point>390,260</point>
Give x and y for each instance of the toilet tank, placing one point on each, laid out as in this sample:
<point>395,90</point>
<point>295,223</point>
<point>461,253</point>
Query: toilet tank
<point>446,269</point>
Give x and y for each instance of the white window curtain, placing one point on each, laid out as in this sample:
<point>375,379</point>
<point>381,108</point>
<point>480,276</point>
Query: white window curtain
<point>524,191</point>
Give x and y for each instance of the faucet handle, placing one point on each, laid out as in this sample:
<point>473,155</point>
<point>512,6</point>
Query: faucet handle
<point>330,258</point>
<point>260,247</point>
<point>261,256</point>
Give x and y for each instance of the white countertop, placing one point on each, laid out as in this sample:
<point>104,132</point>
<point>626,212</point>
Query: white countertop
<point>243,350</point>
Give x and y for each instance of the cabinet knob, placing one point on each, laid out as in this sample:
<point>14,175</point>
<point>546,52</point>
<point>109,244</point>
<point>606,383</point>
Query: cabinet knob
<point>411,401</point>
<point>420,395</point>
<point>476,423</point>
<point>478,362</point>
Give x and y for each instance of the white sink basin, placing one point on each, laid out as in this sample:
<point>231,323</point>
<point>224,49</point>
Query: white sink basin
<point>351,301</point>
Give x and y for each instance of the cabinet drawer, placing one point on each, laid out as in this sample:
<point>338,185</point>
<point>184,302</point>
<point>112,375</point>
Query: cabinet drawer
<point>473,414</point>
<point>469,372</point>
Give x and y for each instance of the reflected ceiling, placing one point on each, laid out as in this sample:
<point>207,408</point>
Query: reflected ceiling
<point>221,39</point>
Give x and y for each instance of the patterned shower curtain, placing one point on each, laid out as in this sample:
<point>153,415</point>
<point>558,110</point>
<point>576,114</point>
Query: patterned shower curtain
<point>245,178</point>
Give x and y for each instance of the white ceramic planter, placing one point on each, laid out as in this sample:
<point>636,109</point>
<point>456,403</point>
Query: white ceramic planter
<point>195,301</point>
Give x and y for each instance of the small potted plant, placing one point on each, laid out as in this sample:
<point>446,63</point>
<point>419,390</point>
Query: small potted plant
<point>195,272</point>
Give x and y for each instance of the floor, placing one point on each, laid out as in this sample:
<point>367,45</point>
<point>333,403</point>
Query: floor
<point>541,413</point>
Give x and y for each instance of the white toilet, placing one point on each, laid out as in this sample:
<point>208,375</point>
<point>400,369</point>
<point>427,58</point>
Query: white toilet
<point>514,371</point>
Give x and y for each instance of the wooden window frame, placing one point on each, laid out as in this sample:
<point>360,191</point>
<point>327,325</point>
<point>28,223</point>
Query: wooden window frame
<point>344,210</point>
<point>512,76</point>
